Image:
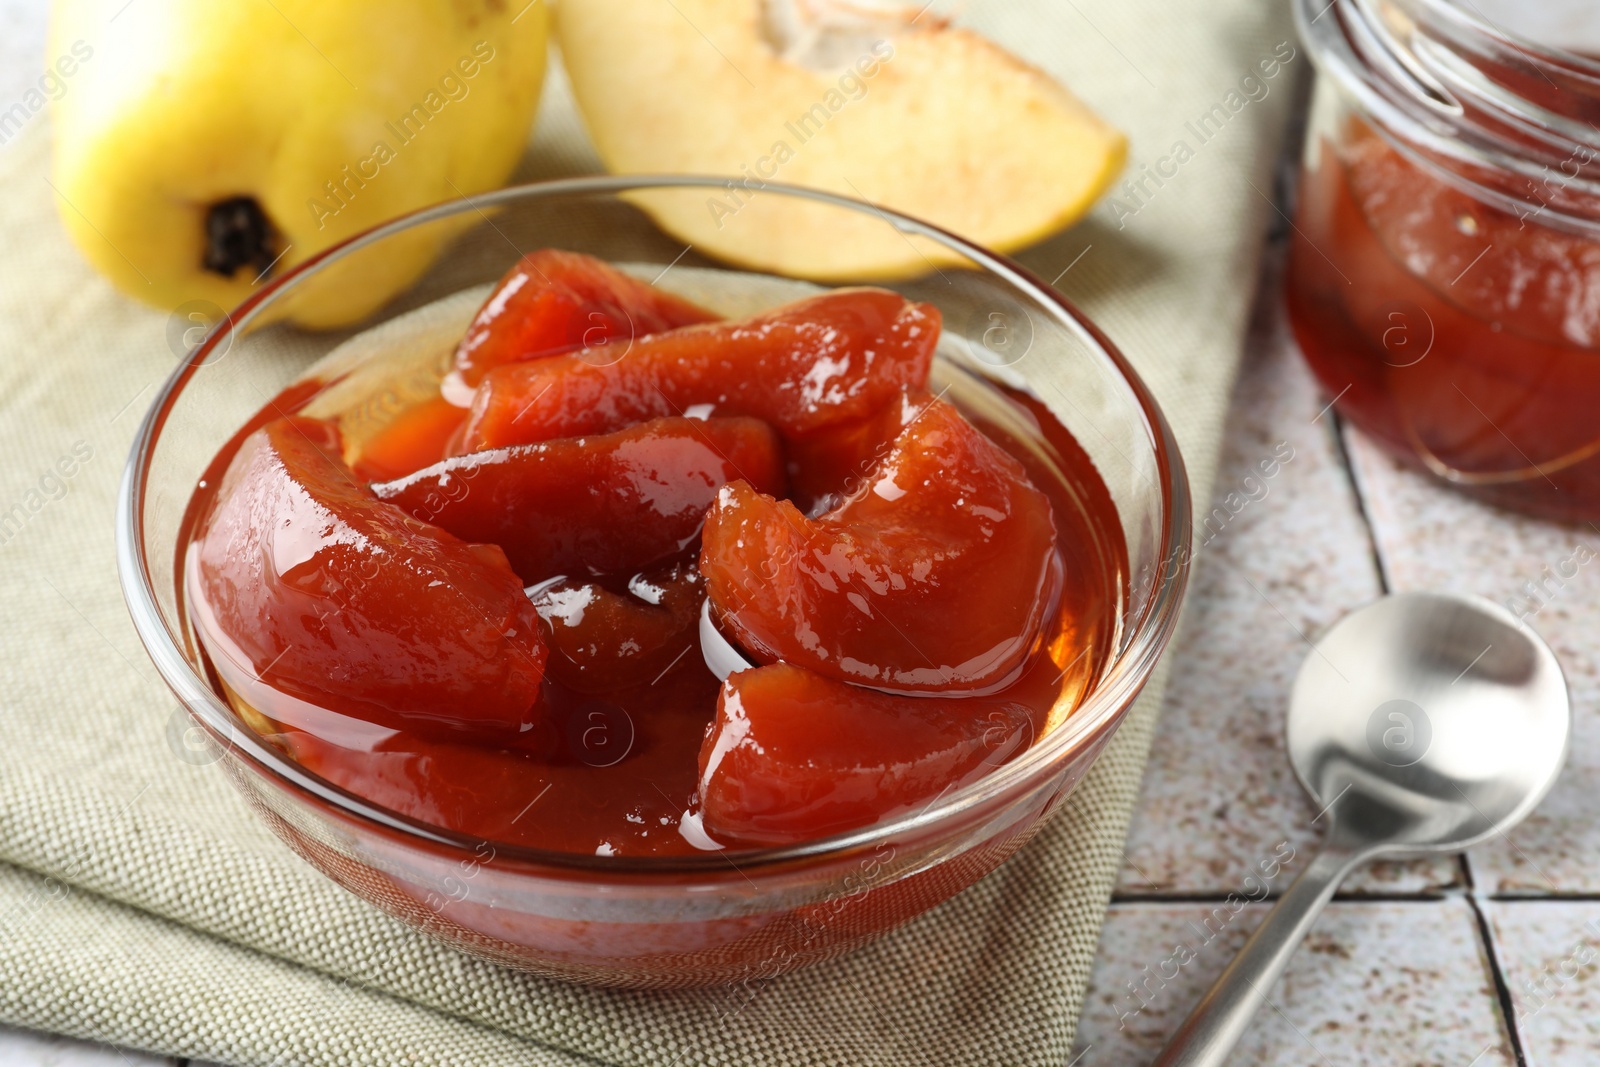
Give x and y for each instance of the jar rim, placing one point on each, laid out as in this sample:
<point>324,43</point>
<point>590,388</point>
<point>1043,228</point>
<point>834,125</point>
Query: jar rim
<point>1436,81</point>
<point>1451,17</point>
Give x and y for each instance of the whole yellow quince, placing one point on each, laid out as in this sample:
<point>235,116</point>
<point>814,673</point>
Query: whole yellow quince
<point>205,146</point>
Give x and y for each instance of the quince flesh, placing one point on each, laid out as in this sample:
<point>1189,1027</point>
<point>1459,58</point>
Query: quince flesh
<point>890,106</point>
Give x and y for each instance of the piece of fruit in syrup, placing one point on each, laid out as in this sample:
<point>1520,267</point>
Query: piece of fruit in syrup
<point>819,362</point>
<point>554,301</point>
<point>307,587</point>
<point>606,503</point>
<point>793,755</point>
<point>935,575</point>
<point>602,639</point>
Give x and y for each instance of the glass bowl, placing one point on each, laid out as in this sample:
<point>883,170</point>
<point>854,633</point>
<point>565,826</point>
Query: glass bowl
<point>662,921</point>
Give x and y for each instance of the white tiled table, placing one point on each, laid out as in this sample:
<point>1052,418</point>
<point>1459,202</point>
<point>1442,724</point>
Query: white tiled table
<point>1484,961</point>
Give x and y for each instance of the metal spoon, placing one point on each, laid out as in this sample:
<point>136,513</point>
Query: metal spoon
<point>722,656</point>
<point>1424,722</point>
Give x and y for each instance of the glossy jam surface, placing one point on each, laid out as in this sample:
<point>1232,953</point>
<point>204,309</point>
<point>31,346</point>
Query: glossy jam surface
<point>934,575</point>
<point>503,639</point>
<point>593,505</point>
<point>784,762</point>
<point>554,301</point>
<point>1463,337</point>
<point>315,593</point>
<point>804,367</point>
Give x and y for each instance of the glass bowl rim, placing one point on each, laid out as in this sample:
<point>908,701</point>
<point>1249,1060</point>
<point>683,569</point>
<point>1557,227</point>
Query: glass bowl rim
<point>1113,692</point>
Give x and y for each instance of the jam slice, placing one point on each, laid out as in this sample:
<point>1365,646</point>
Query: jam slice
<point>793,755</point>
<point>309,587</point>
<point>826,467</point>
<point>830,359</point>
<point>417,437</point>
<point>1484,322</point>
<point>935,575</point>
<point>602,640</point>
<point>610,503</point>
<point>1534,280</point>
<point>554,301</point>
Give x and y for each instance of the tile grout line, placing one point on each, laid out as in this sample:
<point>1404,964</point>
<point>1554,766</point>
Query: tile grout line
<point>1336,427</point>
<point>1145,898</point>
<point>1502,986</point>
<point>1491,949</point>
<point>1414,896</point>
<point>1467,893</point>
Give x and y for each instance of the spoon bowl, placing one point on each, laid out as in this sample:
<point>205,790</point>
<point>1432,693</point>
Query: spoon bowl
<point>1424,722</point>
<point>1428,722</point>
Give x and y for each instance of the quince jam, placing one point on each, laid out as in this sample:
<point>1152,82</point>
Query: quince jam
<point>485,614</point>
<point>1463,336</point>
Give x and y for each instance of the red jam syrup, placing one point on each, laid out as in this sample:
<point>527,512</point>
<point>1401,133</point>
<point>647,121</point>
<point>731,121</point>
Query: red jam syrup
<point>491,623</point>
<point>1465,338</point>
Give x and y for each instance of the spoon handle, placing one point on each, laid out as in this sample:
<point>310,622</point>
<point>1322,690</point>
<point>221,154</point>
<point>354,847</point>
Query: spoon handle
<point>1208,1035</point>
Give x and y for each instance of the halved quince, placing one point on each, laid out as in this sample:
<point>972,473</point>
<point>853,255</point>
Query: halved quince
<point>888,105</point>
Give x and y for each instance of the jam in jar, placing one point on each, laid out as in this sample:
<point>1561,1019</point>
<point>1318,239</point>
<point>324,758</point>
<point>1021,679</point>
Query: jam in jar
<point>1444,263</point>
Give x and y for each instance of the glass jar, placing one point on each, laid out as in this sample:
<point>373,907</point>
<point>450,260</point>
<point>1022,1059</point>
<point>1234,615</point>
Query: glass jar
<point>1444,264</point>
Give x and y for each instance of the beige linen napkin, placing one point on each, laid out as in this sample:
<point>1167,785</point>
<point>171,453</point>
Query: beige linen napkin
<point>141,903</point>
